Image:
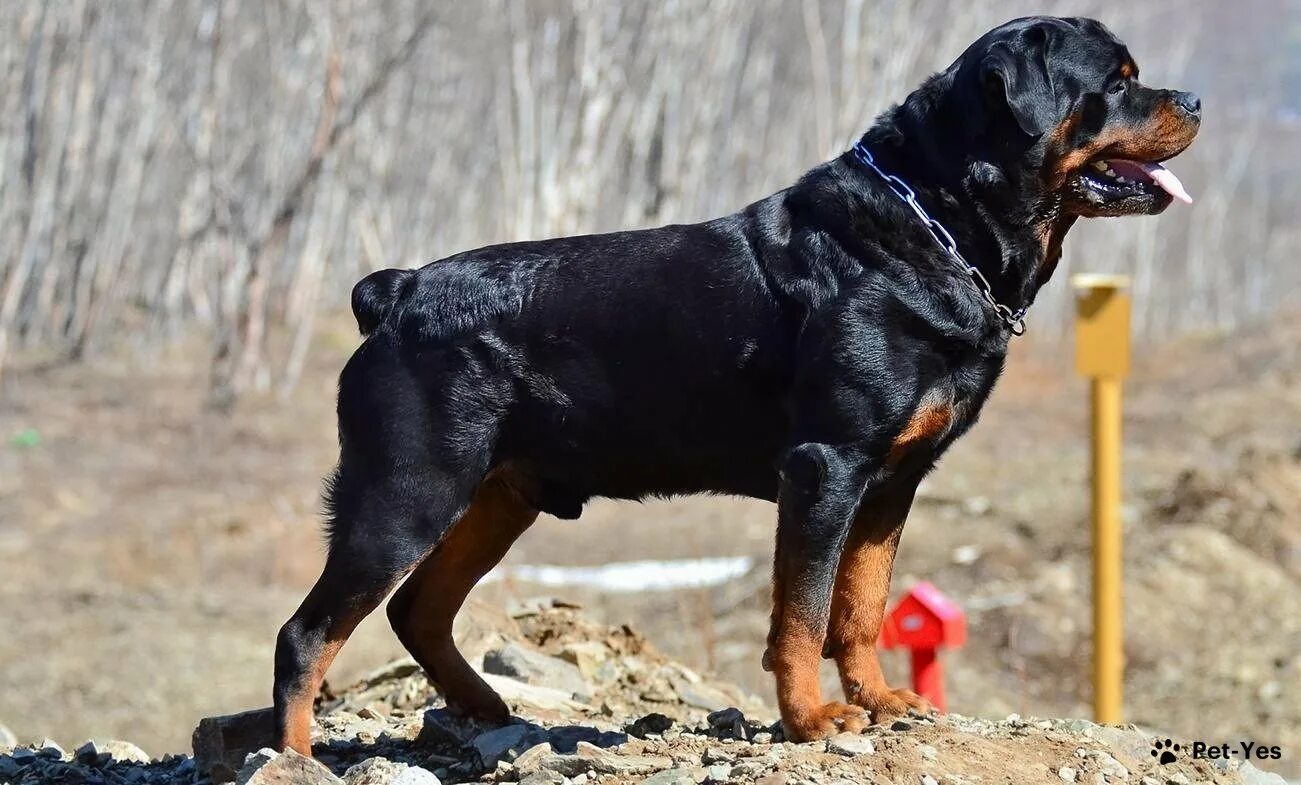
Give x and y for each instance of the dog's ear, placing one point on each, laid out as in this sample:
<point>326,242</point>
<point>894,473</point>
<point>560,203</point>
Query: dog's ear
<point>1016,74</point>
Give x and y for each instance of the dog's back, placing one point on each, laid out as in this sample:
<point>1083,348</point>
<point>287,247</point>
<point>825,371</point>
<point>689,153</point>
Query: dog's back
<point>623,364</point>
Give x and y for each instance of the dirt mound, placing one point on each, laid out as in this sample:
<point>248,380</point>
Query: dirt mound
<point>595,704</point>
<point>1255,503</point>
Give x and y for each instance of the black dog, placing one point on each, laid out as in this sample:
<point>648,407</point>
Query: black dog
<point>820,349</point>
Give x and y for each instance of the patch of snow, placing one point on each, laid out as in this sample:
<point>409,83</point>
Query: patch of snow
<point>630,576</point>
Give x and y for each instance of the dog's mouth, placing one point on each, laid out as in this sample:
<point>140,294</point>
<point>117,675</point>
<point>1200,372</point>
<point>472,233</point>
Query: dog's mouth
<point>1117,178</point>
<point>1120,186</point>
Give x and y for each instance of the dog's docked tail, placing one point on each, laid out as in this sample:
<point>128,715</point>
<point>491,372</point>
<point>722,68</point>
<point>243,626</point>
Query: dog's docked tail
<point>374,295</point>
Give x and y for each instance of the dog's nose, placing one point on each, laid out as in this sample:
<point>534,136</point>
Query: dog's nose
<point>1189,102</point>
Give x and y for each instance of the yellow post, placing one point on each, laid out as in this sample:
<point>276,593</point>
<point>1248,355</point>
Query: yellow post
<point>1102,354</point>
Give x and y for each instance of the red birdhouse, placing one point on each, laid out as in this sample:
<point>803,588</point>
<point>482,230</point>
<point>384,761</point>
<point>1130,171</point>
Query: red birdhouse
<point>923,621</point>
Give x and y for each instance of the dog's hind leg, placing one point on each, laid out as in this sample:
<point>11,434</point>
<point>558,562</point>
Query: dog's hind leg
<point>400,485</point>
<point>422,611</point>
<point>392,532</point>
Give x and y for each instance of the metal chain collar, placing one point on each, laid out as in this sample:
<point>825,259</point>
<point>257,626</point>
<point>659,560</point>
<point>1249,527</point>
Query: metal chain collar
<point>1015,320</point>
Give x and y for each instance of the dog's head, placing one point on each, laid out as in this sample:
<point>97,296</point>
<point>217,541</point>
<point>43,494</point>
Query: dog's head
<point>1058,104</point>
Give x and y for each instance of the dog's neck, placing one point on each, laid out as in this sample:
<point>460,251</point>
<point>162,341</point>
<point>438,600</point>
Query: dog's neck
<point>1009,230</point>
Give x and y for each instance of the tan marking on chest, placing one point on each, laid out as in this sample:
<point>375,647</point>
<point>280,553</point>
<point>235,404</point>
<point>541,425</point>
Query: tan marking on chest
<point>929,423</point>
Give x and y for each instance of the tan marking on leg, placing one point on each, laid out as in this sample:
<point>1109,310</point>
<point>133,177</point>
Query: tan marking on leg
<point>425,607</point>
<point>795,657</point>
<point>858,610</point>
<point>298,725</point>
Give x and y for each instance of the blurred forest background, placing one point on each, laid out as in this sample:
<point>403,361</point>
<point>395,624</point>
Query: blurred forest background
<point>236,166</point>
<point>189,190</point>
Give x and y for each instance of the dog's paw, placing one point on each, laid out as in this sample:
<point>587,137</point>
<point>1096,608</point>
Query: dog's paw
<point>824,721</point>
<point>888,704</point>
<point>483,705</point>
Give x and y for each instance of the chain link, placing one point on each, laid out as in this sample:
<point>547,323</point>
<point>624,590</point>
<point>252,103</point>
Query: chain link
<point>1015,320</point>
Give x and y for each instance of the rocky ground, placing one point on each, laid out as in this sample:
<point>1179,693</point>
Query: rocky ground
<point>596,704</point>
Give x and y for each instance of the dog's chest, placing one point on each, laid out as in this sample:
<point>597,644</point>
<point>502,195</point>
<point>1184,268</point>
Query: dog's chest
<point>946,410</point>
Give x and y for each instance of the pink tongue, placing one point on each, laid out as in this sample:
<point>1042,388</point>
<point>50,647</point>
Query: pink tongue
<point>1167,180</point>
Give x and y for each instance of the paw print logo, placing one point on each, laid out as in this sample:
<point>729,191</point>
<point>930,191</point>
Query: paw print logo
<point>1164,751</point>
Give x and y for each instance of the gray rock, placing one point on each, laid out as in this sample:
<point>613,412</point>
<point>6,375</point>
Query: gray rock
<point>718,773</point>
<point>850,744</point>
<point>124,751</point>
<point>287,768</point>
<point>1068,774</point>
<point>566,737</point>
<point>547,698</point>
<point>531,759</point>
<point>928,752</point>
<point>381,771</point>
<point>50,749</point>
<point>100,753</point>
<point>9,767</point>
<point>1253,776</point>
<point>221,743</point>
<point>493,745</point>
<point>588,657</point>
<point>1129,742</point>
<point>929,780</point>
<point>701,695</point>
<point>441,728</point>
<point>89,754</point>
<point>536,668</point>
<point>713,755</point>
<point>671,777</point>
<point>592,759</point>
<point>652,724</point>
<point>1108,765</point>
<point>747,770</point>
<point>728,723</point>
<point>254,761</point>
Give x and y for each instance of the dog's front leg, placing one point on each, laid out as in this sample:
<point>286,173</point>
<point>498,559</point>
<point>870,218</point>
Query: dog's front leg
<point>858,604</point>
<point>820,489</point>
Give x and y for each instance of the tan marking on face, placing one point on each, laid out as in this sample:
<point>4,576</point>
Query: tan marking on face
<point>1165,133</point>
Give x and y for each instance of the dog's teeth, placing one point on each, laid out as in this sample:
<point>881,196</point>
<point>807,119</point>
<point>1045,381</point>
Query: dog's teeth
<point>1112,173</point>
<point>1122,179</point>
<point>1101,166</point>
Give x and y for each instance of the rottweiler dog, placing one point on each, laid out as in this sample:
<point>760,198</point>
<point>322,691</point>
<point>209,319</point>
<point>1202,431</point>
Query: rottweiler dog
<point>819,349</point>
